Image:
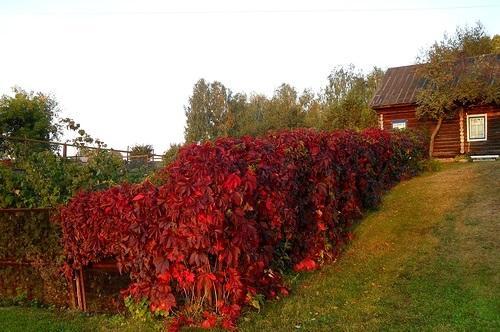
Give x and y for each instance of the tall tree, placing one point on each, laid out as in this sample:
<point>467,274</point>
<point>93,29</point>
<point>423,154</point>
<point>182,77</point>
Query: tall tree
<point>213,111</point>
<point>218,110</point>
<point>495,41</point>
<point>314,117</point>
<point>346,98</point>
<point>458,73</point>
<point>368,115</point>
<point>285,110</point>
<point>197,114</point>
<point>253,116</point>
<point>207,113</point>
<point>237,113</point>
<point>27,115</point>
<point>35,116</point>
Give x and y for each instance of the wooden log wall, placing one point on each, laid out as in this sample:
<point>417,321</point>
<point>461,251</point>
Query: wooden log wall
<point>447,143</point>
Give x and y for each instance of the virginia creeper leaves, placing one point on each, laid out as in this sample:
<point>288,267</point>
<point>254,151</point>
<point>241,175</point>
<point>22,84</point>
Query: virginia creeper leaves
<point>232,214</point>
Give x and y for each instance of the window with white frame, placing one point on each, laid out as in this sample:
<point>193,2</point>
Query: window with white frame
<point>477,127</point>
<point>398,124</point>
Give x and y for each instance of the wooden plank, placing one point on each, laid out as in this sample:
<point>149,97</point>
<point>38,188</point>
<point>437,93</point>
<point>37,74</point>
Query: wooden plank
<point>82,287</point>
<point>76,279</point>
<point>103,266</point>
<point>15,210</point>
<point>10,262</point>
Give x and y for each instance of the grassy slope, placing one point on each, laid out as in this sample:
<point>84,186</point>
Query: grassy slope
<point>18,319</point>
<point>427,260</point>
<point>31,319</point>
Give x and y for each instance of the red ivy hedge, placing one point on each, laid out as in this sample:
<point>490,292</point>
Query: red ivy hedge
<point>233,214</point>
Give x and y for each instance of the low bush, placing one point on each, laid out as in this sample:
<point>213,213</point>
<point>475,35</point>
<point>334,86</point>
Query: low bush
<point>30,238</point>
<point>44,179</point>
<point>231,216</point>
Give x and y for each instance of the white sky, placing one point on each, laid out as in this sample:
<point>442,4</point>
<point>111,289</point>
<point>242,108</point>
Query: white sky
<point>125,69</point>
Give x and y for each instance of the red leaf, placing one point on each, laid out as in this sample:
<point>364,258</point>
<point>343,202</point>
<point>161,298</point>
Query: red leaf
<point>138,197</point>
<point>237,198</point>
<point>165,277</point>
<point>305,265</point>
<point>209,322</point>
<point>232,182</point>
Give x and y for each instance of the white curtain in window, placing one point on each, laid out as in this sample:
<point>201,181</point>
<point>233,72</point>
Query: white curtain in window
<point>476,127</point>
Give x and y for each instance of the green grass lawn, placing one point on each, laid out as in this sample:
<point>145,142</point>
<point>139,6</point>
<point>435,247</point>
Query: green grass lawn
<point>36,319</point>
<point>427,260</point>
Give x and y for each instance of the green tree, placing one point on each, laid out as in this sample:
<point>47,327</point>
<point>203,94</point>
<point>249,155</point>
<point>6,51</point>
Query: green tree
<point>252,116</point>
<point>197,114</point>
<point>171,154</point>
<point>313,109</point>
<point>372,80</point>
<point>346,98</point>
<point>495,42</point>
<point>36,176</point>
<point>219,115</point>
<point>213,111</point>
<point>259,114</point>
<point>207,114</point>
<point>458,73</point>
<point>237,115</point>
<point>27,115</point>
<point>284,111</point>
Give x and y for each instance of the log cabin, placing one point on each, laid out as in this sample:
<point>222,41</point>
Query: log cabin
<point>474,132</point>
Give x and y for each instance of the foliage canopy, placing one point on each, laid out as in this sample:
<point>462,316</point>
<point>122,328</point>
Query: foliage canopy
<point>459,71</point>
<point>27,115</point>
<point>34,174</point>
<point>215,111</point>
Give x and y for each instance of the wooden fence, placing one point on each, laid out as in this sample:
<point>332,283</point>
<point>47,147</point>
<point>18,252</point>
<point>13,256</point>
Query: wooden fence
<point>125,154</point>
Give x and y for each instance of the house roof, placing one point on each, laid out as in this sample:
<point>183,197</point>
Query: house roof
<point>400,85</point>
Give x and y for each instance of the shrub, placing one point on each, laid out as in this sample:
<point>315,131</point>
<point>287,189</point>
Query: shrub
<point>232,215</point>
<point>43,179</point>
<point>29,236</point>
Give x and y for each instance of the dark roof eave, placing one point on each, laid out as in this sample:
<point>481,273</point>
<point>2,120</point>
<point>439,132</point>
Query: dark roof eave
<point>385,107</point>
<point>400,85</point>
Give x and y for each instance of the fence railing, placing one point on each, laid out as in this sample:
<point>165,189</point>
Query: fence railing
<point>127,155</point>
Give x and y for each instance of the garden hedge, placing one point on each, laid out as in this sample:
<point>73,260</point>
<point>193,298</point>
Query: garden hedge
<point>231,216</point>
<point>31,243</point>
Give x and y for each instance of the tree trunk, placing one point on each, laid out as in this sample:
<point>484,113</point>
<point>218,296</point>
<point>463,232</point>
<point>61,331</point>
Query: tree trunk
<point>433,136</point>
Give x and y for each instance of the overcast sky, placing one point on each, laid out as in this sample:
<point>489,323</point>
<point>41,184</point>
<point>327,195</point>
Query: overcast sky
<point>125,69</point>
